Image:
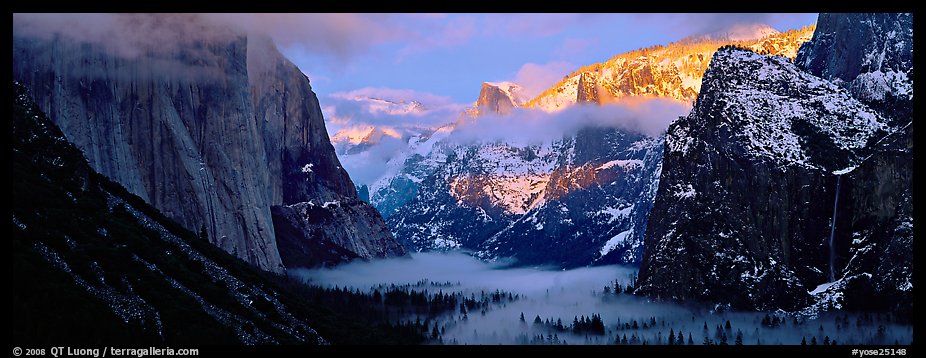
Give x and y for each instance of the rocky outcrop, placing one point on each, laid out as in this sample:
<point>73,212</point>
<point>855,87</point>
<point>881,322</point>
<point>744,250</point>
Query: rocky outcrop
<point>738,218</point>
<point>762,124</point>
<point>328,233</point>
<point>871,55</point>
<point>673,70</point>
<point>304,170</point>
<point>498,98</point>
<point>213,132</point>
<point>588,88</point>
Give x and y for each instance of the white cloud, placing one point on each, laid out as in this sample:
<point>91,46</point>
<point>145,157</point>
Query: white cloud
<point>377,106</point>
<point>535,78</point>
<point>650,116</point>
<point>337,37</point>
<point>349,112</point>
<point>390,111</point>
<point>429,100</point>
<point>707,23</point>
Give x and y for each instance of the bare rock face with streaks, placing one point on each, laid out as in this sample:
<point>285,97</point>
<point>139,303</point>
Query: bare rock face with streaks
<point>213,130</point>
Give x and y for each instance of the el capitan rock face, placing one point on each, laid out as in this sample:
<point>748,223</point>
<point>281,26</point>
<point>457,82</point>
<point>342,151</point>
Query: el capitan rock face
<point>747,195</point>
<point>92,261</point>
<point>213,132</point>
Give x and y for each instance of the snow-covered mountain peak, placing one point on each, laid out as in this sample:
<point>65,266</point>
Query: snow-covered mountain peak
<point>673,70</point>
<point>394,107</point>
<point>775,107</point>
<point>366,134</point>
<point>512,90</point>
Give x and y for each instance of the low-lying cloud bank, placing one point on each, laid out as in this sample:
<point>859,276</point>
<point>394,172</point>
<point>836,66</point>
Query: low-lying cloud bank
<point>567,294</point>
<point>467,273</point>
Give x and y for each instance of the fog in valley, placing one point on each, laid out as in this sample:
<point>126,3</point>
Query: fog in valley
<point>497,294</point>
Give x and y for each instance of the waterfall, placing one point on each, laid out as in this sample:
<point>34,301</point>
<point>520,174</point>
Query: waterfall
<point>833,231</point>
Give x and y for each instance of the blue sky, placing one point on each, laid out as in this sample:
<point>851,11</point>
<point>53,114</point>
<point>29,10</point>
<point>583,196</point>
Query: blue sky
<point>450,55</point>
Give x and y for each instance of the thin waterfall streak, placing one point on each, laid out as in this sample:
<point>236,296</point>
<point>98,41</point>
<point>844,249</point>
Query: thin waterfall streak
<point>833,231</point>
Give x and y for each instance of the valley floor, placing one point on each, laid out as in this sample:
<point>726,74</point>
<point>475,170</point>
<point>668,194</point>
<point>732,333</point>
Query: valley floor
<point>455,299</point>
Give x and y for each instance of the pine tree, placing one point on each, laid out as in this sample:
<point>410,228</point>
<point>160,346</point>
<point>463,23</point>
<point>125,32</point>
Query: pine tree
<point>803,341</point>
<point>680,340</point>
<point>203,234</point>
<point>739,338</point>
<point>522,318</point>
<point>826,340</point>
<point>813,340</point>
<point>537,320</point>
<point>690,341</point>
<point>597,324</point>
